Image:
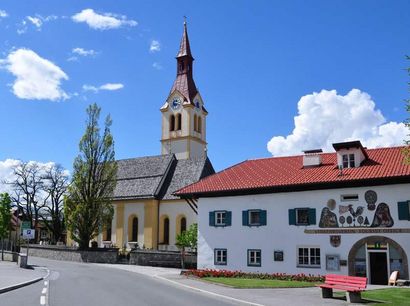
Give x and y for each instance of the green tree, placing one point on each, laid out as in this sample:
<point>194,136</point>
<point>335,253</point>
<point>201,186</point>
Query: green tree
<point>5,218</point>
<point>187,239</point>
<point>87,206</point>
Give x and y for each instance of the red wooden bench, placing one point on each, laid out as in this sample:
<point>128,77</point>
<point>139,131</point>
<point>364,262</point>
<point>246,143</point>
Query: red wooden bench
<point>353,285</point>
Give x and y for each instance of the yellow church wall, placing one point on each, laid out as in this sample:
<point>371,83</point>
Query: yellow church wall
<point>151,224</point>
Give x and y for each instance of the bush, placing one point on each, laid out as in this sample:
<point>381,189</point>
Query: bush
<point>239,274</point>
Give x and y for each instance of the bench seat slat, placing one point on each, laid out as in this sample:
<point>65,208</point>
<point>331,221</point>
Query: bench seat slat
<point>344,288</point>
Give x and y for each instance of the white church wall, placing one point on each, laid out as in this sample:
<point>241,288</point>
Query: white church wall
<point>280,236</point>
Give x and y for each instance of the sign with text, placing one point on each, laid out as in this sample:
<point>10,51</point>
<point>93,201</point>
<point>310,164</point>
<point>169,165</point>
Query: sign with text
<point>28,233</point>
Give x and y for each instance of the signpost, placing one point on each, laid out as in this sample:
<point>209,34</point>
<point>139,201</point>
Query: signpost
<point>28,234</point>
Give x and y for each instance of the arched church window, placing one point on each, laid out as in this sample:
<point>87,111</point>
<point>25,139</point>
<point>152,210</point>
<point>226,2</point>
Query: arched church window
<point>195,123</point>
<point>199,124</point>
<point>134,235</point>
<point>178,122</point>
<point>166,231</point>
<point>172,123</point>
<point>183,225</point>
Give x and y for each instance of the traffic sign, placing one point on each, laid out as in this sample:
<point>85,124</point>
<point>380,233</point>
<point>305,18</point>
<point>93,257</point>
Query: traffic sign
<point>26,225</point>
<point>28,233</point>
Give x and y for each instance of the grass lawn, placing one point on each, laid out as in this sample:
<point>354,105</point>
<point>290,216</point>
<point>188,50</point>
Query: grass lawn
<point>257,283</point>
<point>382,297</point>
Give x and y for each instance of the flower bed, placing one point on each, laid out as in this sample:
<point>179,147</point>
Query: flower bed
<point>239,274</point>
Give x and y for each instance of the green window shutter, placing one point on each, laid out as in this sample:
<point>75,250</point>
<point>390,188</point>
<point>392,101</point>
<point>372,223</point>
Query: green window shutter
<point>245,217</point>
<point>228,219</point>
<point>211,218</point>
<point>403,208</point>
<point>312,215</point>
<point>292,217</point>
<point>263,217</point>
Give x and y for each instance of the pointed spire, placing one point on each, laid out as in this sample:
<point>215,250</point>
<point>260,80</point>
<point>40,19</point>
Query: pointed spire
<point>184,48</point>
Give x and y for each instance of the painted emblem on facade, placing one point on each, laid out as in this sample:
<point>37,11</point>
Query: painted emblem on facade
<point>350,215</point>
<point>335,240</point>
<point>371,198</point>
<point>382,217</point>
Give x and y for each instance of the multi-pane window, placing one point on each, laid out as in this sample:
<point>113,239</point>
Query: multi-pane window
<point>348,161</point>
<point>221,256</point>
<point>220,217</point>
<point>254,258</point>
<point>309,257</point>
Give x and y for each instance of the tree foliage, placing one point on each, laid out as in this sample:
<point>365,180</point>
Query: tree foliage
<point>5,219</point>
<point>189,238</point>
<point>88,202</point>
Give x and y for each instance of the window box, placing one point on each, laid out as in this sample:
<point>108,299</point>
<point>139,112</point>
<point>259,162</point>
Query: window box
<point>302,216</point>
<point>308,257</point>
<point>254,217</point>
<point>254,257</point>
<point>220,257</point>
<point>220,218</point>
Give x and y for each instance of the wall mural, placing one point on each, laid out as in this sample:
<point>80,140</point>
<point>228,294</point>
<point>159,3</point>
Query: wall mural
<point>360,216</point>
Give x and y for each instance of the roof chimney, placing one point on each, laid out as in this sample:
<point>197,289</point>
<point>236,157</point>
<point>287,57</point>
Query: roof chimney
<point>312,158</point>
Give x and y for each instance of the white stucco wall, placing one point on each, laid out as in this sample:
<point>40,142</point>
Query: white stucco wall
<point>279,235</point>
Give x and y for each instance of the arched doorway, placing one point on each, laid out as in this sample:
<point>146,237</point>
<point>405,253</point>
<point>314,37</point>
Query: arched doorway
<point>375,257</point>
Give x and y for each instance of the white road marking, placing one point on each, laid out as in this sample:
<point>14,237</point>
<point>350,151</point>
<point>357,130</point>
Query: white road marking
<point>44,291</point>
<point>45,283</point>
<point>42,300</point>
<point>209,292</point>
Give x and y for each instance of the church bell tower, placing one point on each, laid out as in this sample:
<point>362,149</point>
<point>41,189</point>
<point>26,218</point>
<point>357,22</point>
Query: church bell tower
<point>184,114</point>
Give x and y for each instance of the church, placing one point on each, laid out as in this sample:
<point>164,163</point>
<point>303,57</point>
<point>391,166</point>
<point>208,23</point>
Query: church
<point>146,213</point>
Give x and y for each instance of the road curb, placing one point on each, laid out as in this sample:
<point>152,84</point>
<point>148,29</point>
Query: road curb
<point>23,284</point>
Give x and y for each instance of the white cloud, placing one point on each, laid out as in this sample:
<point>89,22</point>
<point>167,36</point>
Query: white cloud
<point>3,14</point>
<point>326,117</point>
<point>108,86</point>
<point>36,78</point>
<point>155,46</point>
<point>84,52</point>
<point>7,176</point>
<point>157,66</point>
<point>104,21</point>
<point>36,21</point>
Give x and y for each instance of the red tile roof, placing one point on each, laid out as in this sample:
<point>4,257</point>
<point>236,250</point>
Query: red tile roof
<point>279,174</point>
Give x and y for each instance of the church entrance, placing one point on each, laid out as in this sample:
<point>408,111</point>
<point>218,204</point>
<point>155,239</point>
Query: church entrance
<point>375,257</point>
<point>378,268</point>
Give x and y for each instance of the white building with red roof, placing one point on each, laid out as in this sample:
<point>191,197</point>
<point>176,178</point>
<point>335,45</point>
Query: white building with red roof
<point>345,212</point>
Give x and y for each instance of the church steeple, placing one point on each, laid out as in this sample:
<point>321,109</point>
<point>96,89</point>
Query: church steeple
<point>184,114</point>
<point>184,81</point>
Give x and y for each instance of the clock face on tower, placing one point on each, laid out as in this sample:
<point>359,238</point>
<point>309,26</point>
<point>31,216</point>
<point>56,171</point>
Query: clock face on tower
<point>176,103</point>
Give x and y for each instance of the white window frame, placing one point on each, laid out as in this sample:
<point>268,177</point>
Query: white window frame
<point>220,217</point>
<point>249,217</point>
<point>252,257</point>
<point>221,256</point>
<point>311,256</point>
<point>348,160</point>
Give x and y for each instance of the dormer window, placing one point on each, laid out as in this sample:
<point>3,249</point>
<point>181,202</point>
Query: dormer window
<point>348,160</point>
<point>350,154</point>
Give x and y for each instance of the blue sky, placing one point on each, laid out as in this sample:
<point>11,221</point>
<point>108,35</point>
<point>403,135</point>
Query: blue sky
<point>257,66</point>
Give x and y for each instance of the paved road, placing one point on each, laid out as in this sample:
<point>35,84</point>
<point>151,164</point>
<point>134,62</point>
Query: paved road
<point>83,284</point>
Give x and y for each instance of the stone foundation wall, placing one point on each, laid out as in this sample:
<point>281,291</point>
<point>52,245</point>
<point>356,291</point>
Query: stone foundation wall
<point>63,253</point>
<point>161,259</point>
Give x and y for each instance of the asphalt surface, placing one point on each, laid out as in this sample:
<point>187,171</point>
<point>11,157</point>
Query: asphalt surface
<point>83,284</point>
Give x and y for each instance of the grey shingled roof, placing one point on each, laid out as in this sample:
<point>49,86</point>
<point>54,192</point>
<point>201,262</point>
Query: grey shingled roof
<point>141,177</point>
<point>158,176</point>
<point>187,171</point>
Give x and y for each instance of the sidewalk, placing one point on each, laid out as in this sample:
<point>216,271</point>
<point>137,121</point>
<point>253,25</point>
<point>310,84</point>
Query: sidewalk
<point>256,297</point>
<point>13,277</point>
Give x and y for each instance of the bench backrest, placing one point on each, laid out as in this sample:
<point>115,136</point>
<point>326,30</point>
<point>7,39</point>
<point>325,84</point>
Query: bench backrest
<point>344,280</point>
